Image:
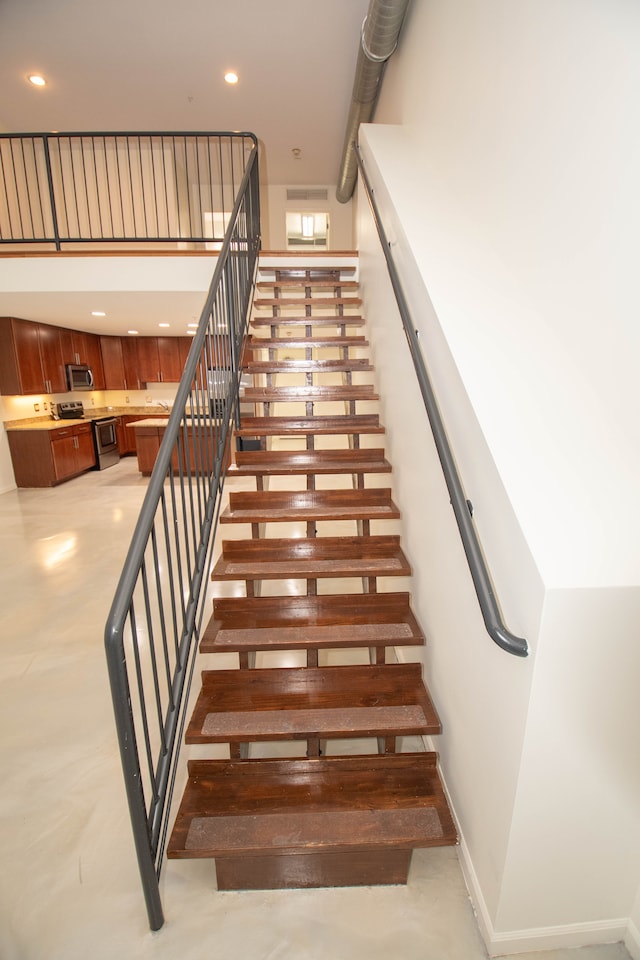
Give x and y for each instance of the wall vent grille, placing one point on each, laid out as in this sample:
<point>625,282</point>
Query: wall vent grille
<point>307,194</point>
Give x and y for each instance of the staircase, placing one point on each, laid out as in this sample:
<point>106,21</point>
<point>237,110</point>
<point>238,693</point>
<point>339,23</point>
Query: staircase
<point>293,805</point>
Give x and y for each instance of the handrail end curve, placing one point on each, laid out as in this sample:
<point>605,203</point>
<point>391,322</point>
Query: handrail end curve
<point>517,646</point>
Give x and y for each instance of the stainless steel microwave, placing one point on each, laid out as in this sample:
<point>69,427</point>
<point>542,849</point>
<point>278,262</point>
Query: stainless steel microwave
<point>79,376</point>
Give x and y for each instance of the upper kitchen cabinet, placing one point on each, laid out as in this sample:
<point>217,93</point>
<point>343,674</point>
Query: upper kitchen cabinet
<point>113,363</point>
<point>81,347</point>
<point>169,357</point>
<point>51,357</point>
<point>31,360</point>
<point>148,359</point>
<point>159,359</point>
<point>20,364</point>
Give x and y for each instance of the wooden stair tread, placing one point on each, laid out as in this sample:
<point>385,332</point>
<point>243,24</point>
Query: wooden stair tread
<point>311,558</point>
<point>314,282</point>
<point>265,506</point>
<point>300,343</point>
<point>307,302</point>
<point>307,365</point>
<point>309,392</point>
<point>291,462</point>
<point>306,426</point>
<point>315,321</point>
<point>330,804</point>
<point>302,622</point>
<point>303,702</point>
<point>298,272</point>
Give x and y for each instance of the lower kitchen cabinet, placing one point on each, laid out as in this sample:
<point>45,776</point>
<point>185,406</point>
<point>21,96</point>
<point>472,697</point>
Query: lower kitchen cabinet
<point>43,458</point>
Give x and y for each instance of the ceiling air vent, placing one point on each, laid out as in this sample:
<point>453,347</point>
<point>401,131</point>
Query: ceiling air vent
<point>308,194</point>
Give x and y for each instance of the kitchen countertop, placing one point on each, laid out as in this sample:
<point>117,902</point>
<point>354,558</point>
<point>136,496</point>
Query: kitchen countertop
<point>91,413</point>
<point>149,422</point>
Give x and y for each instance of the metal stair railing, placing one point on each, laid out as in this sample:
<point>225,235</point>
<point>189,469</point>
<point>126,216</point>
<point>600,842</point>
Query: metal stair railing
<point>153,628</point>
<point>461,505</point>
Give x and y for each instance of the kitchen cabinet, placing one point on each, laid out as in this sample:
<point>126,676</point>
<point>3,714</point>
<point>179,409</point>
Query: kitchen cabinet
<point>148,360</point>
<point>31,359</point>
<point>43,458</point>
<point>81,347</point>
<point>113,363</point>
<point>20,363</point>
<point>169,359</point>
<point>184,345</point>
<point>199,454</point>
<point>53,371</point>
<point>159,359</point>
<point>126,437</point>
<point>130,359</point>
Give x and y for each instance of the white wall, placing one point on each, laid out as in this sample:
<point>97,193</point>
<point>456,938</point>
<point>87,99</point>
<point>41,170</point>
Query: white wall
<point>514,202</point>
<point>275,206</point>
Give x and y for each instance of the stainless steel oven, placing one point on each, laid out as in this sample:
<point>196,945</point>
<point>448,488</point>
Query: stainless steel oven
<point>105,440</point>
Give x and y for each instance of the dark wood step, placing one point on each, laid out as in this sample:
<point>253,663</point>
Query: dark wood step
<point>310,392</point>
<point>307,301</point>
<point>301,703</point>
<point>315,321</point>
<point>298,462</point>
<point>319,273</point>
<point>308,426</point>
<point>300,343</point>
<point>311,558</point>
<point>308,365</point>
<point>289,282</point>
<point>249,624</point>
<point>274,506</point>
<point>334,821</point>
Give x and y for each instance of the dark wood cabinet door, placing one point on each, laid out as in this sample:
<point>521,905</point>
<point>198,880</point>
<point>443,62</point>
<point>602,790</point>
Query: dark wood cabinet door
<point>51,358</point>
<point>85,450</point>
<point>148,360</point>
<point>63,454</point>
<point>169,359</point>
<point>27,347</point>
<point>184,345</point>
<point>130,360</point>
<point>79,346</point>
<point>113,363</point>
<point>66,343</point>
<point>93,357</point>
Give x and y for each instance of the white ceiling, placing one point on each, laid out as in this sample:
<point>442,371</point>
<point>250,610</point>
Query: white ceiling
<point>147,65</point>
<point>159,65</point>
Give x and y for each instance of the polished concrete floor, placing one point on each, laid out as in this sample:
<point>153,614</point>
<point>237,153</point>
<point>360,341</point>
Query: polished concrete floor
<point>69,886</point>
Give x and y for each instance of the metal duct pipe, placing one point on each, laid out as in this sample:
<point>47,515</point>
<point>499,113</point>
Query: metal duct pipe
<point>378,40</point>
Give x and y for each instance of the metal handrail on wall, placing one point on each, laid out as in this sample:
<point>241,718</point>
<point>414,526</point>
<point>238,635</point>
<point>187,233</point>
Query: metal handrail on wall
<point>115,188</point>
<point>461,506</point>
<point>153,629</point>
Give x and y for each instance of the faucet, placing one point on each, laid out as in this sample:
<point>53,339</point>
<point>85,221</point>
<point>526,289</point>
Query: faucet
<point>163,404</point>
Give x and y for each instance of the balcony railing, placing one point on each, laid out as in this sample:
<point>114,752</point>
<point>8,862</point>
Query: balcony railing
<point>119,188</point>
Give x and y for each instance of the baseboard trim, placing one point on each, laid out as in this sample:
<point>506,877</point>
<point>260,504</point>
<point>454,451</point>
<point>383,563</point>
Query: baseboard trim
<point>539,938</point>
<point>632,940</point>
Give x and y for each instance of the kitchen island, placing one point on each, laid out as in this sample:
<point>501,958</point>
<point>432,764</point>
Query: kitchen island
<point>197,445</point>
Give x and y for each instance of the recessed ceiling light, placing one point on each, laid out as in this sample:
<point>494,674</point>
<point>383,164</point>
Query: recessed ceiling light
<point>98,313</point>
<point>231,77</point>
<point>192,324</point>
<point>132,332</point>
<point>191,333</point>
<point>37,80</point>
<point>164,324</point>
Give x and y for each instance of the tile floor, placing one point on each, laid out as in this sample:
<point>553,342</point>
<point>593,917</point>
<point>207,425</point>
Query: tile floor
<point>69,885</point>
